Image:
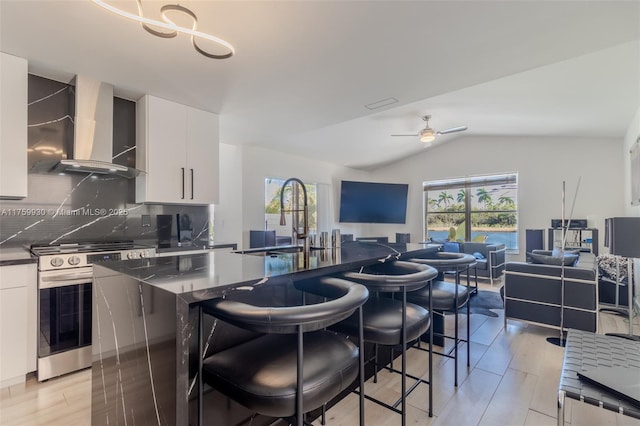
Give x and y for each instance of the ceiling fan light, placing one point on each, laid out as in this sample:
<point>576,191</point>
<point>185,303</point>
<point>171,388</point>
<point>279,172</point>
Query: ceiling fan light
<point>427,135</point>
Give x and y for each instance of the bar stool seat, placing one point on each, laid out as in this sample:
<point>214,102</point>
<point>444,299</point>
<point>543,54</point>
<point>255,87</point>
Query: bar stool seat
<point>391,322</point>
<point>447,261</point>
<point>445,296</point>
<point>383,322</point>
<point>297,366</point>
<point>383,316</point>
<point>261,374</point>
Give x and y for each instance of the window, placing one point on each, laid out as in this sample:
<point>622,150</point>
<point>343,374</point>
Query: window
<point>478,208</point>
<point>272,189</point>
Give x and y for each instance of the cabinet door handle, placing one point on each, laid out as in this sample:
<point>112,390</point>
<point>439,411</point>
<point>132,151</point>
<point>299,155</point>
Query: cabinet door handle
<point>192,184</point>
<point>182,168</point>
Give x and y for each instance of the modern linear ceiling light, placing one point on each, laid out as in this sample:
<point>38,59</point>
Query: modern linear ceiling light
<point>172,28</point>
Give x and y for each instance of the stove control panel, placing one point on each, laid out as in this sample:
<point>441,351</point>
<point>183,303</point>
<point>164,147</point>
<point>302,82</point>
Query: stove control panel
<point>103,257</point>
<point>77,260</point>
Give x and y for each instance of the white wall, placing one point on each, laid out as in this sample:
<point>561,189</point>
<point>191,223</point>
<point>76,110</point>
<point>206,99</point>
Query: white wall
<point>633,132</point>
<point>242,174</point>
<point>227,213</point>
<point>542,165</point>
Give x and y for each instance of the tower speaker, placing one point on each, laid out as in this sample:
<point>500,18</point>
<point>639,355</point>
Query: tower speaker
<point>534,239</point>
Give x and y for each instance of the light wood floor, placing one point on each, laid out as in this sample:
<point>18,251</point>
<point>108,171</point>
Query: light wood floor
<point>513,380</point>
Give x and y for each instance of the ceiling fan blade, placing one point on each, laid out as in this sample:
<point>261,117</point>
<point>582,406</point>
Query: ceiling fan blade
<point>453,130</point>
<point>415,135</point>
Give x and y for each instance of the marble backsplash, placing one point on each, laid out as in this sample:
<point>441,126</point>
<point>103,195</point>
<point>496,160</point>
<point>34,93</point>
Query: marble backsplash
<point>82,207</point>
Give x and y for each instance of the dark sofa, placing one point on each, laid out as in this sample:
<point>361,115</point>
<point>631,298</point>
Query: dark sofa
<point>532,292</point>
<point>490,263</point>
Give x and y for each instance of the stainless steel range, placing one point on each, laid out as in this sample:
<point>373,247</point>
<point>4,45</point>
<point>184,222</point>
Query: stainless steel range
<point>65,276</point>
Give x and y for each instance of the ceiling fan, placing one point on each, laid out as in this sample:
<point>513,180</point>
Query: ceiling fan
<point>428,134</point>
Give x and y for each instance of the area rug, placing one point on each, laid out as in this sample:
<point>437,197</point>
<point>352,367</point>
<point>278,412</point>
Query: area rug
<point>484,301</point>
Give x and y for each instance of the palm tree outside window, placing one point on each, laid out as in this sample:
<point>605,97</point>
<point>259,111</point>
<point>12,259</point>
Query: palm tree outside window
<point>472,208</point>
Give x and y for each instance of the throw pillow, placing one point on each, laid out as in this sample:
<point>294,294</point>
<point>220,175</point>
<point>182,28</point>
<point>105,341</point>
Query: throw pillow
<point>556,252</point>
<point>478,255</point>
<point>451,247</point>
<point>569,259</point>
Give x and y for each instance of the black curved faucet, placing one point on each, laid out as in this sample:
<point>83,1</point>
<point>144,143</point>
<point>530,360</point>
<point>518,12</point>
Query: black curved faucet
<point>295,209</point>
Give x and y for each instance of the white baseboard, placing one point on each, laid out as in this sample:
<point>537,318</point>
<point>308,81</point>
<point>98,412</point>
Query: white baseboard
<point>13,381</point>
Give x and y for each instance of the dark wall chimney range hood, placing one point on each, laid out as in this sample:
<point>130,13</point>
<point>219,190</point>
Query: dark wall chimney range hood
<point>92,150</point>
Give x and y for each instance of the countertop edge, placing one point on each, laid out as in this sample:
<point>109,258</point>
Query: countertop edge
<point>13,262</point>
<point>180,267</point>
<point>177,249</point>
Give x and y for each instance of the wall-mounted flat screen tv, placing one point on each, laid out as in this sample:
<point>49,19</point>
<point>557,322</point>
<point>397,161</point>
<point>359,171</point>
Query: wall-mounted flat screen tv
<point>370,202</point>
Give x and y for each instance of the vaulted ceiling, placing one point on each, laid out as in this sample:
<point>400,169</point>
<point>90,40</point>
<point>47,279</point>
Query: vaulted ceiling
<point>304,70</point>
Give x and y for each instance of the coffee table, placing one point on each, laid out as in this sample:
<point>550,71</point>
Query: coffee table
<point>585,350</point>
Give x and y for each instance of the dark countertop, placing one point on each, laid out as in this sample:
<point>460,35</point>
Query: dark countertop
<point>16,256</point>
<point>202,276</point>
<point>200,245</point>
<point>174,247</point>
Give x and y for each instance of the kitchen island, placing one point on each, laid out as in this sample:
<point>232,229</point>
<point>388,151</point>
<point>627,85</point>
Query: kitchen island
<point>146,323</point>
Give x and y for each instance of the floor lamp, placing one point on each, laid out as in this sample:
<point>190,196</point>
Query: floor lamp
<point>623,239</point>
<point>561,341</point>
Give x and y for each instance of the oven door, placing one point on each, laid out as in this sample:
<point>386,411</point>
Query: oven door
<point>64,317</point>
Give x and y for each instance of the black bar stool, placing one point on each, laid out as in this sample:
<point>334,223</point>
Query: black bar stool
<point>391,322</point>
<point>444,296</point>
<point>296,366</point>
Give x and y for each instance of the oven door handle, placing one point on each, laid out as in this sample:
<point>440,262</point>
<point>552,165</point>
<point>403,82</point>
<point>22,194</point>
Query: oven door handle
<point>66,279</point>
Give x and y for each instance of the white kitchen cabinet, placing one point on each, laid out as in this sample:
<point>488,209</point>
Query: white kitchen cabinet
<point>18,322</point>
<point>202,156</point>
<point>177,147</point>
<point>13,126</point>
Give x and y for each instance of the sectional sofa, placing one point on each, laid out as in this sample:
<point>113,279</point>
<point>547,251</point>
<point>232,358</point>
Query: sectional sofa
<point>532,293</point>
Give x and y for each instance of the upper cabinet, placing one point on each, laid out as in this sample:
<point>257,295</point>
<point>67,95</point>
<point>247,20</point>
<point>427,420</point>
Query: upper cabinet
<point>177,147</point>
<point>202,156</point>
<point>13,126</point>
